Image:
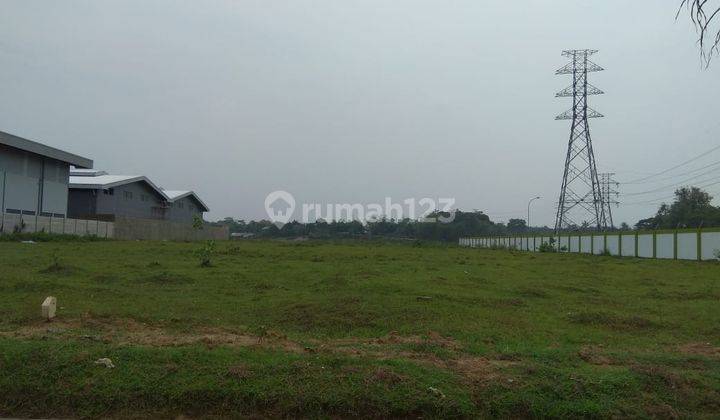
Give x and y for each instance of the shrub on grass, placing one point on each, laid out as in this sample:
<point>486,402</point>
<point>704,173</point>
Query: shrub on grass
<point>205,253</point>
<point>547,247</point>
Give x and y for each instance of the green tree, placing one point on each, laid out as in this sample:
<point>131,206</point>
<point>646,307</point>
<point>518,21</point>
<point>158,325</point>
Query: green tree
<point>517,226</point>
<point>692,208</point>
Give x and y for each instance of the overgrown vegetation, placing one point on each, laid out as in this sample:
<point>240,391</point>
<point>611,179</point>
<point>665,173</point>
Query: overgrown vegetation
<point>48,237</point>
<point>347,329</point>
<point>548,246</point>
<point>205,253</point>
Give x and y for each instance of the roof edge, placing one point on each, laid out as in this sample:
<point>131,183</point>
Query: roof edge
<point>194,195</point>
<point>44,150</point>
<point>139,178</point>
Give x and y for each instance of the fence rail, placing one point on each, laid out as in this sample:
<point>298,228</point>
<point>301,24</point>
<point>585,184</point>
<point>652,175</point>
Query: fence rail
<point>681,244</point>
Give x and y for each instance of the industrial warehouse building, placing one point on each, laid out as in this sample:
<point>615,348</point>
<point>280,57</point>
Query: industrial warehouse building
<point>44,189</point>
<point>184,205</point>
<point>101,196</point>
<point>34,177</point>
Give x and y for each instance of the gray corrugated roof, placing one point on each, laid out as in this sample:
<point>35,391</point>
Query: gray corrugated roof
<point>43,150</point>
<point>86,172</point>
<point>110,181</point>
<point>174,195</point>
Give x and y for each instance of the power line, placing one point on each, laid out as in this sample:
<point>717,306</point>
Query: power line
<point>674,185</point>
<point>659,199</point>
<point>677,175</point>
<point>674,167</point>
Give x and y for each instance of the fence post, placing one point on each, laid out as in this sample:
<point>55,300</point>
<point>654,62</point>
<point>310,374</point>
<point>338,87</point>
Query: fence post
<point>699,244</point>
<point>675,245</point>
<point>654,244</point>
<point>620,244</point>
<point>637,247</point>
<point>605,248</point>
<point>592,243</point>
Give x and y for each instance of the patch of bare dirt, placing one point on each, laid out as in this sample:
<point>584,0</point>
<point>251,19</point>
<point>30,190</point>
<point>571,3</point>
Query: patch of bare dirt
<point>392,346</point>
<point>701,349</point>
<point>385,376</point>
<point>661,411</point>
<point>594,355</point>
<point>655,375</point>
<point>131,332</point>
<point>394,338</point>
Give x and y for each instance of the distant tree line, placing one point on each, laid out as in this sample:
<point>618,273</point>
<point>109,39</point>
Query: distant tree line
<point>692,208</point>
<point>464,223</point>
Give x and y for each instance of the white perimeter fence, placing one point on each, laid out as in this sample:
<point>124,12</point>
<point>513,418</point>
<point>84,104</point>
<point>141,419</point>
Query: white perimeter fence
<point>26,223</point>
<point>682,244</point>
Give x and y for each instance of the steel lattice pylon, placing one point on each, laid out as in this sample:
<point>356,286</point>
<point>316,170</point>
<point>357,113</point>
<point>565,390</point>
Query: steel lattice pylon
<point>610,193</point>
<point>581,199</point>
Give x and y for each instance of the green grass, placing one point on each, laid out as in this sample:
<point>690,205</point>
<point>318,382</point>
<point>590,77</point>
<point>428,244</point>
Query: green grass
<point>354,329</point>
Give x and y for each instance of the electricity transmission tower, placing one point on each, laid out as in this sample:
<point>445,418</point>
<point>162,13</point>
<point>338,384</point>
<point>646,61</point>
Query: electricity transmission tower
<point>581,200</point>
<point>610,193</point>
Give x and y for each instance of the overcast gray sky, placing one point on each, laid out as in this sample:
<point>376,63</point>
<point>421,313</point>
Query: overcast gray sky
<point>353,101</point>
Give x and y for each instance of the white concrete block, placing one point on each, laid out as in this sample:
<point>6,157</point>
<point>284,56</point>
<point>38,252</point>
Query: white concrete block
<point>49,307</point>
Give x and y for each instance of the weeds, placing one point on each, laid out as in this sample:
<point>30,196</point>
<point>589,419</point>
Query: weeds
<point>48,237</point>
<point>205,253</point>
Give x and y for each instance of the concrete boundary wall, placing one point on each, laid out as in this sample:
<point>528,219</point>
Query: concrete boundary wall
<point>681,244</point>
<point>10,223</point>
<point>121,228</point>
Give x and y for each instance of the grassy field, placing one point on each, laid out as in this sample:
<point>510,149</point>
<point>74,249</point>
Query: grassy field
<point>354,329</point>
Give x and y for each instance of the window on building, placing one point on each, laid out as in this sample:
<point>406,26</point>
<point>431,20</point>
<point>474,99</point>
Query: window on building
<point>109,191</point>
<point>180,205</point>
<point>144,197</point>
<point>128,195</point>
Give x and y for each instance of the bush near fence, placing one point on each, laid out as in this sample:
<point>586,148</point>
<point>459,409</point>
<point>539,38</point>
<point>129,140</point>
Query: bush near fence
<point>682,244</point>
